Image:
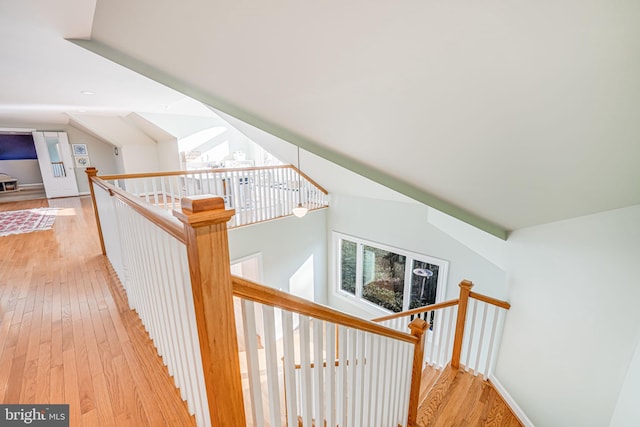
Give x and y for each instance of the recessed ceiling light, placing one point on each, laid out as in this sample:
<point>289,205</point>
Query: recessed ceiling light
<point>87,92</point>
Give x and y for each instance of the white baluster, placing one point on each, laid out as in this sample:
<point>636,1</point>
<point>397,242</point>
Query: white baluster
<point>271,358</point>
<point>374,374</point>
<point>368,379</point>
<point>437,339</point>
<point>318,372</point>
<point>359,368</point>
<point>342,388</point>
<point>392,385</point>
<point>480,339</point>
<point>389,375</point>
<point>494,326</point>
<point>253,366</point>
<point>306,385</point>
<point>451,328</point>
<point>472,334</point>
<point>330,374</point>
<point>401,381</point>
<point>352,356</point>
<point>289,368</point>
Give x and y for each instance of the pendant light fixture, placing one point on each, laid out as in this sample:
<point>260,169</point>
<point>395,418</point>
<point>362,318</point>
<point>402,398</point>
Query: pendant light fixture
<point>300,210</point>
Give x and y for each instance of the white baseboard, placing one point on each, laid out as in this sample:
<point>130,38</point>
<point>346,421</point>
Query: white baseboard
<point>517,410</point>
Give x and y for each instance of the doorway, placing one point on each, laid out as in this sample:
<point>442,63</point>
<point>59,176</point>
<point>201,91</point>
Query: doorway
<point>56,164</point>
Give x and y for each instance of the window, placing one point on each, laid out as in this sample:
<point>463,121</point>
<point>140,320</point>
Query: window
<point>390,278</point>
<point>348,266</point>
<point>383,278</point>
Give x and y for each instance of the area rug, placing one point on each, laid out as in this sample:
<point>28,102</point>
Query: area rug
<point>26,221</point>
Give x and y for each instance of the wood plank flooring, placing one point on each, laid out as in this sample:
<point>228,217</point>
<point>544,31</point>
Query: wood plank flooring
<point>460,399</point>
<point>67,334</point>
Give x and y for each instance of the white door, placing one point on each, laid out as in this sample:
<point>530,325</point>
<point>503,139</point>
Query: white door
<point>56,164</point>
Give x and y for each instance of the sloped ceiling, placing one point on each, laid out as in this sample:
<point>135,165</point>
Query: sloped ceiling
<point>521,113</point>
<point>505,114</point>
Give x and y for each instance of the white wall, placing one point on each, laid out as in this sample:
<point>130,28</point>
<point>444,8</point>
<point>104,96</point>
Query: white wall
<point>137,152</point>
<point>627,412</point>
<point>26,171</point>
<point>168,155</point>
<point>405,226</point>
<point>101,155</point>
<point>139,158</point>
<point>288,246</point>
<point>573,325</point>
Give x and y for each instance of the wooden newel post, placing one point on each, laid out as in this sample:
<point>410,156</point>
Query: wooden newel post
<point>91,172</point>
<point>465,289</point>
<point>418,328</point>
<point>205,222</point>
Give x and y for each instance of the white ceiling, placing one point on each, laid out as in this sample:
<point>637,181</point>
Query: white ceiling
<point>42,76</point>
<point>520,113</point>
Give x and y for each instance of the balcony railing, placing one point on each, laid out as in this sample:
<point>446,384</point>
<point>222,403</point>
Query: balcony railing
<point>256,194</point>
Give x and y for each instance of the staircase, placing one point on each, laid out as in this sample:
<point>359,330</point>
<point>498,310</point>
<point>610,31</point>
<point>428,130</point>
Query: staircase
<point>305,363</point>
<point>454,397</point>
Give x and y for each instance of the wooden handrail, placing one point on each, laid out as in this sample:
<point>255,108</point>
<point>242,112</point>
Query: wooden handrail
<point>252,291</point>
<point>159,218</point>
<point>490,300</point>
<point>418,310</point>
<point>203,171</point>
<point>187,172</point>
<point>305,176</point>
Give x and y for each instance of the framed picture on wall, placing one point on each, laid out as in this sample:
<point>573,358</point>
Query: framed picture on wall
<point>82,161</point>
<point>79,149</point>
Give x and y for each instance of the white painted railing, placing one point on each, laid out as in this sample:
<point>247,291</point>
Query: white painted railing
<point>256,194</point>
<point>482,327</point>
<point>439,337</point>
<point>301,363</point>
<point>481,339</point>
<point>152,266</point>
<point>304,364</point>
<point>321,371</point>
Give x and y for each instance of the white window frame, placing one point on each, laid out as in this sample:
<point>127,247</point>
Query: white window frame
<point>410,257</point>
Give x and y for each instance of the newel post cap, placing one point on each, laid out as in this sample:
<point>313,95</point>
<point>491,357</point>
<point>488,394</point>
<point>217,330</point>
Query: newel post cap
<point>466,284</point>
<point>418,326</point>
<point>203,210</point>
<point>91,171</point>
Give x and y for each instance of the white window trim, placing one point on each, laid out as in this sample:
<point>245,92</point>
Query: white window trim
<point>443,271</point>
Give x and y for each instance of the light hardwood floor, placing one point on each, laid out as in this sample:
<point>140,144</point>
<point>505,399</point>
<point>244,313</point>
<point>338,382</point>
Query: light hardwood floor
<point>455,398</point>
<point>67,334</point>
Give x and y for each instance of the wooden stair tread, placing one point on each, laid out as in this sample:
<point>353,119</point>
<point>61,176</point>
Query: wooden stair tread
<point>429,405</point>
<point>459,398</point>
<point>429,377</point>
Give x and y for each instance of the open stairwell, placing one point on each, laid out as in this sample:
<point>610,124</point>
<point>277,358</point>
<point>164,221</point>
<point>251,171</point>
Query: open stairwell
<point>453,397</point>
<point>294,362</point>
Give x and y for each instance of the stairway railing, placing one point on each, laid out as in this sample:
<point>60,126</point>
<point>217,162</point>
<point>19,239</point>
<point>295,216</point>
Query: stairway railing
<point>176,273</point>
<point>362,378</point>
<point>472,339</point>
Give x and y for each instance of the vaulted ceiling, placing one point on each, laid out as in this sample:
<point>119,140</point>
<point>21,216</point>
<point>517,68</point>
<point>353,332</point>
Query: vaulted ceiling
<point>506,114</point>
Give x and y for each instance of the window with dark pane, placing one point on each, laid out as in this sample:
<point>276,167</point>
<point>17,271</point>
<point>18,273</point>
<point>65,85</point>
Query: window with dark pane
<point>348,258</point>
<point>424,284</point>
<point>383,278</point>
